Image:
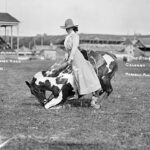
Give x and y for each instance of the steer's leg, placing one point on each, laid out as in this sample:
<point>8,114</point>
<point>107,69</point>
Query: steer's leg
<point>102,70</point>
<point>108,86</point>
<point>110,89</point>
<point>103,87</point>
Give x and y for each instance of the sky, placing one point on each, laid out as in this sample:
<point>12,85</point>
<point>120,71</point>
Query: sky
<point>92,16</point>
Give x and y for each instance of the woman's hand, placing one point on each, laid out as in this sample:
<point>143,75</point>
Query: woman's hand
<point>69,61</point>
<point>66,56</point>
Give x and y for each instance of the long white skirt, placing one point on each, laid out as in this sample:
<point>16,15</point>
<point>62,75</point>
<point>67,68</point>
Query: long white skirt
<point>85,75</point>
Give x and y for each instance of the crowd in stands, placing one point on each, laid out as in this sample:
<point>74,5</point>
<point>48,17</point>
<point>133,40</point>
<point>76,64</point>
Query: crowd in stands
<point>103,47</point>
<point>3,44</point>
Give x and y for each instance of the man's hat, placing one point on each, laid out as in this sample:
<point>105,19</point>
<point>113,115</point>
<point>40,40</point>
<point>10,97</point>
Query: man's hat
<point>68,24</point>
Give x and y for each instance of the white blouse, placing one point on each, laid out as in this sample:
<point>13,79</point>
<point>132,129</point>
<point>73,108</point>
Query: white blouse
<point>71,44</point>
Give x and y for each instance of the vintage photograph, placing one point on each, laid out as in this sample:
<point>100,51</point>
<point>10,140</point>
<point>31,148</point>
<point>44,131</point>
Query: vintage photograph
<point>74,74</point>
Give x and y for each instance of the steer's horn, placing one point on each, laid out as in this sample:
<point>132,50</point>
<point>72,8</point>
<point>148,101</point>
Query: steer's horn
<point>28,84</point>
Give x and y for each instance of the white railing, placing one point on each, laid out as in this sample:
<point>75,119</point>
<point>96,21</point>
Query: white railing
<point>10,61</point>
<point>141,58</point>
<point>1,68</point>
<point>135,65</point>
<point>137,74</point>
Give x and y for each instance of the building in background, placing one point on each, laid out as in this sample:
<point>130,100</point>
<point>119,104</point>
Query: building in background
<point>48,54</point>
<point>24,53</point>
<point>45,51</point>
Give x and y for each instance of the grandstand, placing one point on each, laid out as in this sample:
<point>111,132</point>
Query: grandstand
<point>8,22</point>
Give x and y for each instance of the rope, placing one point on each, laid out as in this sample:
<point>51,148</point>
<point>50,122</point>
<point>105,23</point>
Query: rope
<point>94,64</point>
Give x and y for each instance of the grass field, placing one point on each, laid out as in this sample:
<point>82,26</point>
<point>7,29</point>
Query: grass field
<point>122,122</point>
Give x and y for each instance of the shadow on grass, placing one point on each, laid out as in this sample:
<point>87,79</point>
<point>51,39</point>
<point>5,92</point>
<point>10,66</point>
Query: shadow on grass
<point>78,102</point>
<point>72,103</point>
<point>31,104</point>
<point>35,145</point>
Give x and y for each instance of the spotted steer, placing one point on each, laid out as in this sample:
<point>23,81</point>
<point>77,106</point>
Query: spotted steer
<point>60,81</point>
<point>105,65</point>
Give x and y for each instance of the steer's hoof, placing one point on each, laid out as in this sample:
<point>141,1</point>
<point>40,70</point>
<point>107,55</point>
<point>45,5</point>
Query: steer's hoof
<point>73,97</point>
<point>96,106</point>
<point>45,101</point>
<point>93,103</point>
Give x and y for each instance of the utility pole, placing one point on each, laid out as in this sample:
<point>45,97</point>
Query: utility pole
<point>5,5</point>
<point>42,40</point>
<point>34,41</point>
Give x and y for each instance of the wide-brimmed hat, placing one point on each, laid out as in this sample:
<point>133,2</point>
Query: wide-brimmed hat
<point>68,24</point>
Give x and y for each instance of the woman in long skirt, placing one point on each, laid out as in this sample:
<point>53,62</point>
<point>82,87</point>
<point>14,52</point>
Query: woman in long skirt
<point>84,73</point>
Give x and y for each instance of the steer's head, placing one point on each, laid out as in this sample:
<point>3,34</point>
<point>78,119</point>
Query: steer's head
<point>40,84</point>
<point>36,91</point>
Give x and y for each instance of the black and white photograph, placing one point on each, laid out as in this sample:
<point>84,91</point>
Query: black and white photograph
<point>74,74</point>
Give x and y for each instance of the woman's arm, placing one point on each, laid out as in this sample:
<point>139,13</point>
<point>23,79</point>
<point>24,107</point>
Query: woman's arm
<point>74,47</point>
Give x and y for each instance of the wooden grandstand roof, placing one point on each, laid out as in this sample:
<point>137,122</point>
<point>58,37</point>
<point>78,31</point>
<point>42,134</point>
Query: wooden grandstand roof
<point>145,41</point>
<point>6,19</point>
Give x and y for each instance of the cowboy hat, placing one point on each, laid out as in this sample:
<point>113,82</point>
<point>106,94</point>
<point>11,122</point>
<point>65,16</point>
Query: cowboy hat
<point>68,24</point>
